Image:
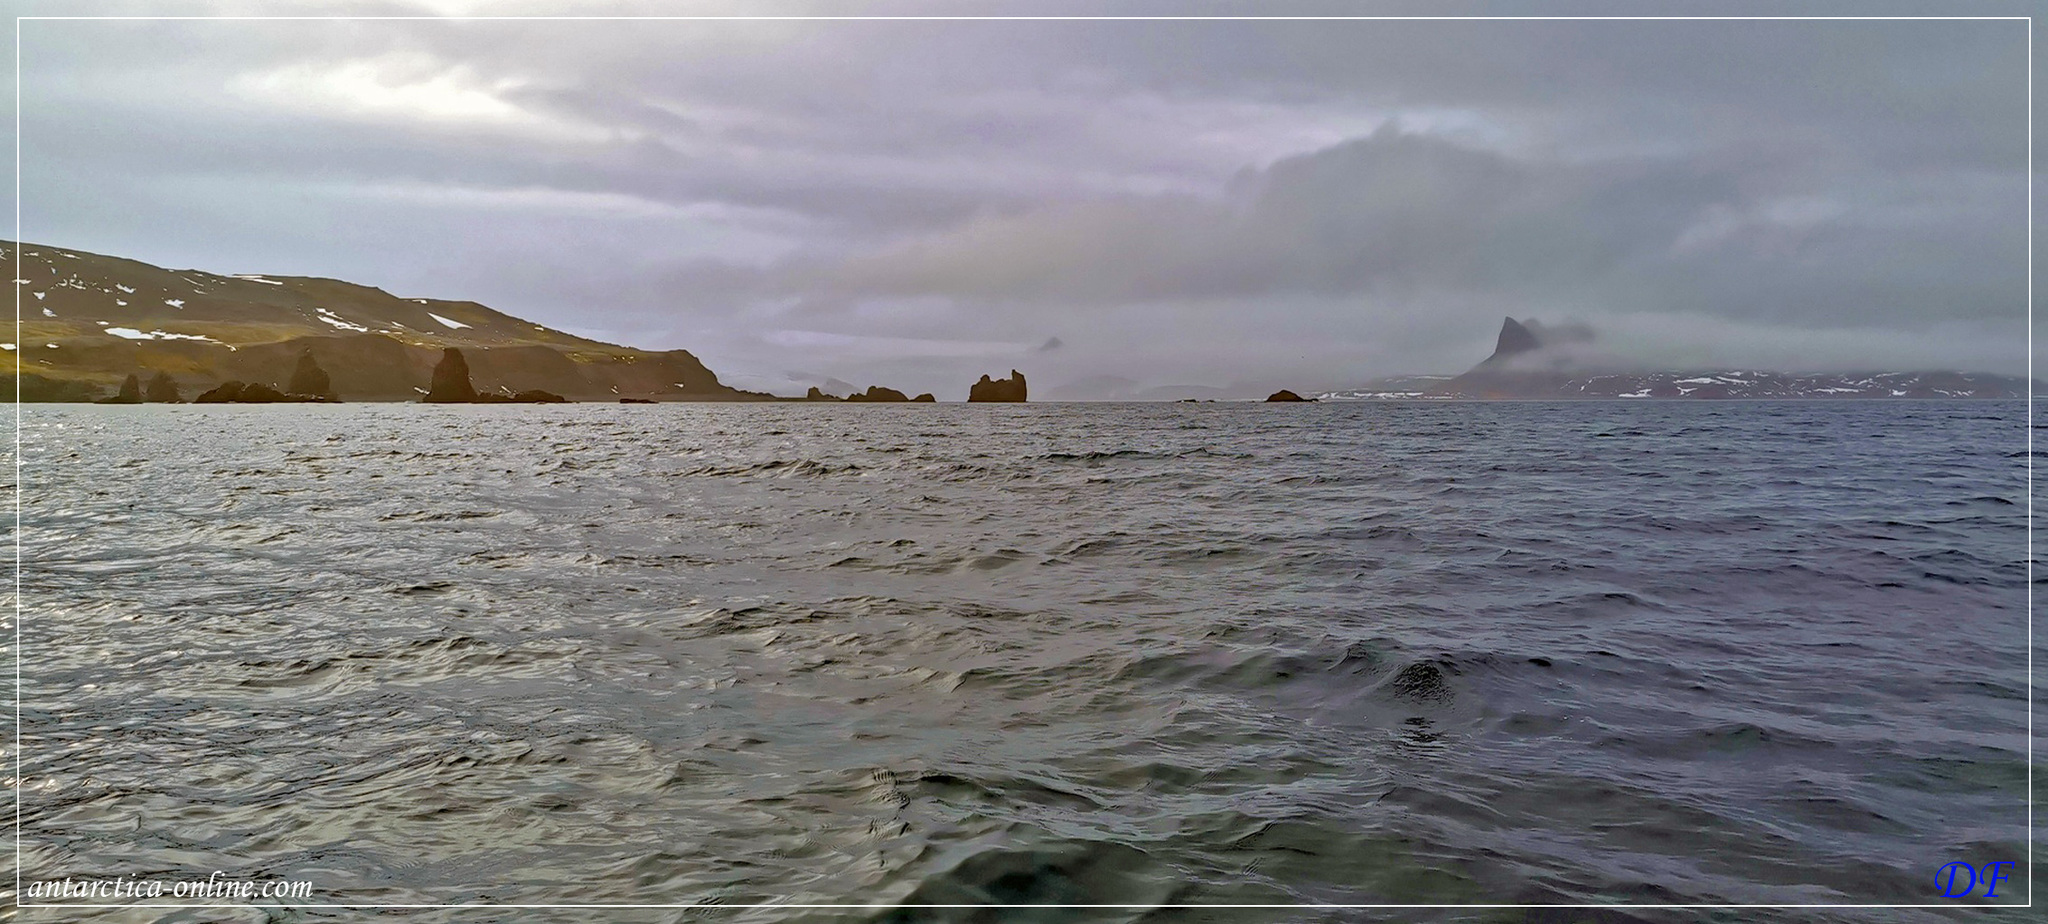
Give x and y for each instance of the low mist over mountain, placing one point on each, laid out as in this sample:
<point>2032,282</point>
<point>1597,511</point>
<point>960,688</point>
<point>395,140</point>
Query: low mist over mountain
<point>89,320</point>
<point>1532,346</point>
<point>1534,360</point>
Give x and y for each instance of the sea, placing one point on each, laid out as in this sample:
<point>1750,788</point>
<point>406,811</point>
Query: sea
<point>910,663</point>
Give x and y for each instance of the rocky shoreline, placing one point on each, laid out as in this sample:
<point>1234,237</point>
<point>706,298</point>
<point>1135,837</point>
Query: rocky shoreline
<point>450,383</point>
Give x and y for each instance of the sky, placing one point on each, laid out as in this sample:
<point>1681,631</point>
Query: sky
<point>1309,204</point>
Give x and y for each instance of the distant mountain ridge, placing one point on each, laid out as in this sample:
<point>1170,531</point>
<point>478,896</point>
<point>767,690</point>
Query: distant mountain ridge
<point>89,320</point>
<point>1531,361</point>
<point>1714,384</point>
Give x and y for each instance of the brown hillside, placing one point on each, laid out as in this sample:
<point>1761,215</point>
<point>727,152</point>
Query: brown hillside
<point>93,320</point>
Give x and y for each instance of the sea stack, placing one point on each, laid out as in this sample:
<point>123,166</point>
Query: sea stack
<point>1285,395</point>
<point>309,379</point>
<point>451,380</point>
<point>131,392</point>
<point>1010,389</point>
<point>163,390</point>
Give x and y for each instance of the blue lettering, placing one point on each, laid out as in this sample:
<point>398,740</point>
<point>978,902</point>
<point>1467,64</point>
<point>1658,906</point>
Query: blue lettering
<point>1991,877</point>
<point>1948,889</point>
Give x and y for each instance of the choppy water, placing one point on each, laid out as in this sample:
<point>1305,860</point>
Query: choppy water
<point>1463,653</point>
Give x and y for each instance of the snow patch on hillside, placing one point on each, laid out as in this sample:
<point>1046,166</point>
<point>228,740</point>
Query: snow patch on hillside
<point>130,333</point>
<point>329,317</point>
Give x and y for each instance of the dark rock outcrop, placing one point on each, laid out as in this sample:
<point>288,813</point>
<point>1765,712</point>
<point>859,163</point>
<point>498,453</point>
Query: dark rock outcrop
<point>223,393</point>
<point>880,394</point>
<point>309,379</point>
<point>1285,395</point>
<point>1007,390</point>
<point>875,394</point>
<point>264,394</point>
<point>162,389</point>
<point>638,401</point>
<point>253,393</point>
<point>450,384</point>
<point>130,393</point>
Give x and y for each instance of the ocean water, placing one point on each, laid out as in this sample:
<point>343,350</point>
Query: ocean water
<point>1421,653</point>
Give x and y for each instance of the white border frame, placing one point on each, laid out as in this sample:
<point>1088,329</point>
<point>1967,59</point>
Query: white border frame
<point>1960,904</point>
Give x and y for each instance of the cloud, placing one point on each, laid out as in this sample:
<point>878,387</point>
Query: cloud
<point>1398,223</point>
<point>1392,211</point>
<point>917,202</point>
<point>407,87</point>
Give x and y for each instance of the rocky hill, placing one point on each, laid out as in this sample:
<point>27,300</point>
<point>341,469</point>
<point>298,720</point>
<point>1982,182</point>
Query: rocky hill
<point>89,321</point>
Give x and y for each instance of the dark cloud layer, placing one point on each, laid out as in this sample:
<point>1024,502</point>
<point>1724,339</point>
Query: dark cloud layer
<point>914,203</point>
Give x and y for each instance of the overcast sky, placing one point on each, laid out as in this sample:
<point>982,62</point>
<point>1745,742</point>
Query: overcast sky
<point>915,203</point>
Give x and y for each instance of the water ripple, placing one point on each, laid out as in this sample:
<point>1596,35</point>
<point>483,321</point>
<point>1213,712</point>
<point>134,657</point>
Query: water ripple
<point>1519,652</point>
